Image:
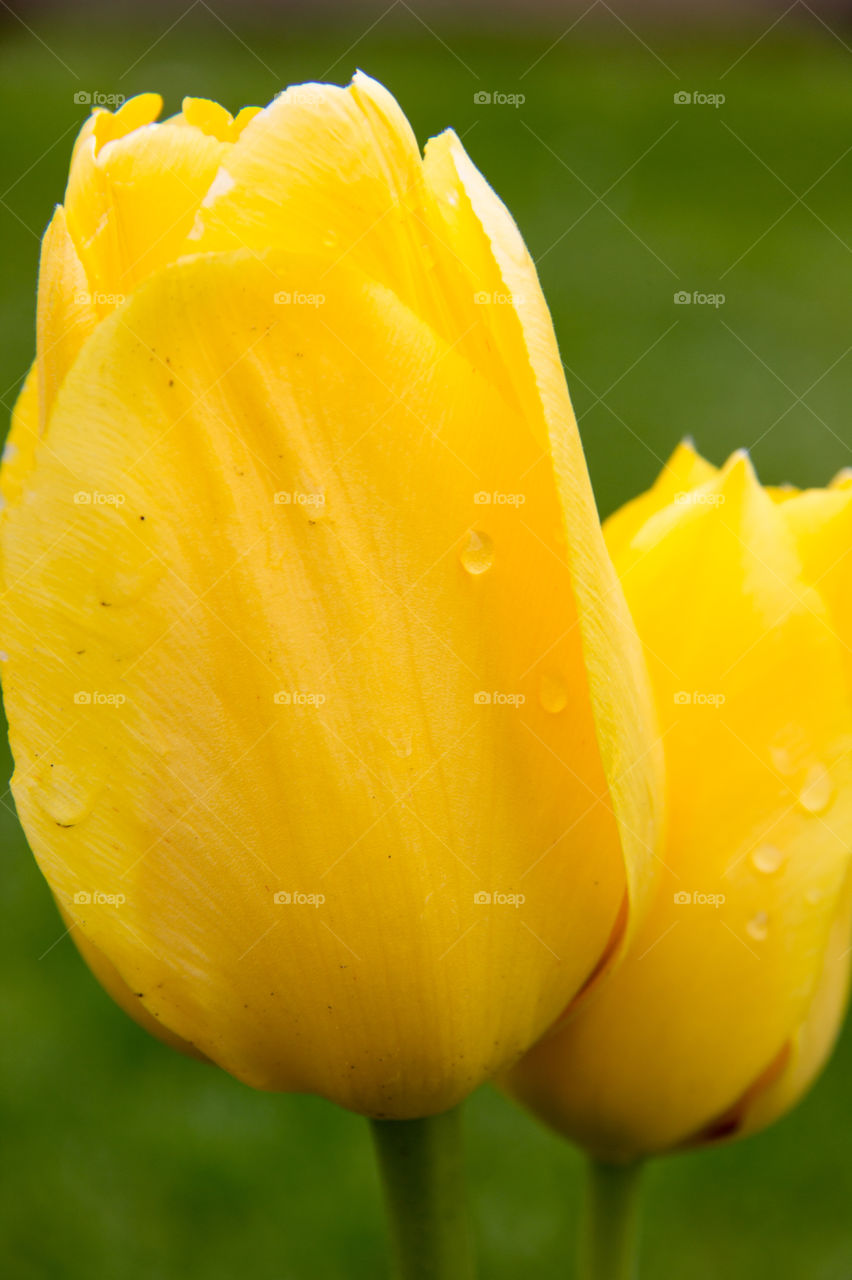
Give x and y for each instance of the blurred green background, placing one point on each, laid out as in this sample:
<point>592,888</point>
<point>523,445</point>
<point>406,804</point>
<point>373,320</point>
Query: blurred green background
<point>121,1159</point>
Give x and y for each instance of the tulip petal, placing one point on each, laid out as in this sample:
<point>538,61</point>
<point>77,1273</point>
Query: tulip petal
<point>133,193</point>
<point>814,1039</point>
<point>413,760</point>
<point>684,473</point>
<point>115,987</point>
<point>66,314</point>
<point>19,449</point>
<point>481,231</point>
<point>728,960</point>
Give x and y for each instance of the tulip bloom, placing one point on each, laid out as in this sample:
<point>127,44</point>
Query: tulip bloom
<point>331,729</point>
<point>732,992</point>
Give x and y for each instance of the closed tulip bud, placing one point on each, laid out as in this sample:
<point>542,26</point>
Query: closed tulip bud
<point>733,989</point>
<point>332,734</point>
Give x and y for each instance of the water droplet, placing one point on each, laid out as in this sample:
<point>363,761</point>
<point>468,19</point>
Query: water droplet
<point>552,693</point>
<point>782,760</point>
<point>4,657</point>
<point>129,582</point>
<point>67,800</point>
<point>330,238</point>
<point>9,451</point>
<point>813,897</point>
<point>817,790</point>
<point>477,552</point>
<point>768,859</point>
<point>758,926</point>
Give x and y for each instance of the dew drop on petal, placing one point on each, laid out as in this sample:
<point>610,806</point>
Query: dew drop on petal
<point>477,552</point>
<point>767,859</point>
<point>552,694</point>
<point>330,238</point>
<point>758,926</point>
<point>67,801</point>
<point>813,897</point>
<point>781,759</point>
<point>817,790</point>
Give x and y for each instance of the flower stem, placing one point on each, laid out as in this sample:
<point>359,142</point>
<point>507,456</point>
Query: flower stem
<point>423,1177</point>
<point>610,1229</point>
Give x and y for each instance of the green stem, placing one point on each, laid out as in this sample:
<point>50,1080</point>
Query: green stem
<point>423,1177</point>
<point>610,1229</point>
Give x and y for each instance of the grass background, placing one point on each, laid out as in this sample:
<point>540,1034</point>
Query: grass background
<point>121,1159</point>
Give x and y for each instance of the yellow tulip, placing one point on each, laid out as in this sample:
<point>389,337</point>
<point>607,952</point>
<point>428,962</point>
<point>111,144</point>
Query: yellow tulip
<point>332,733</point>
<point>731,994</point>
